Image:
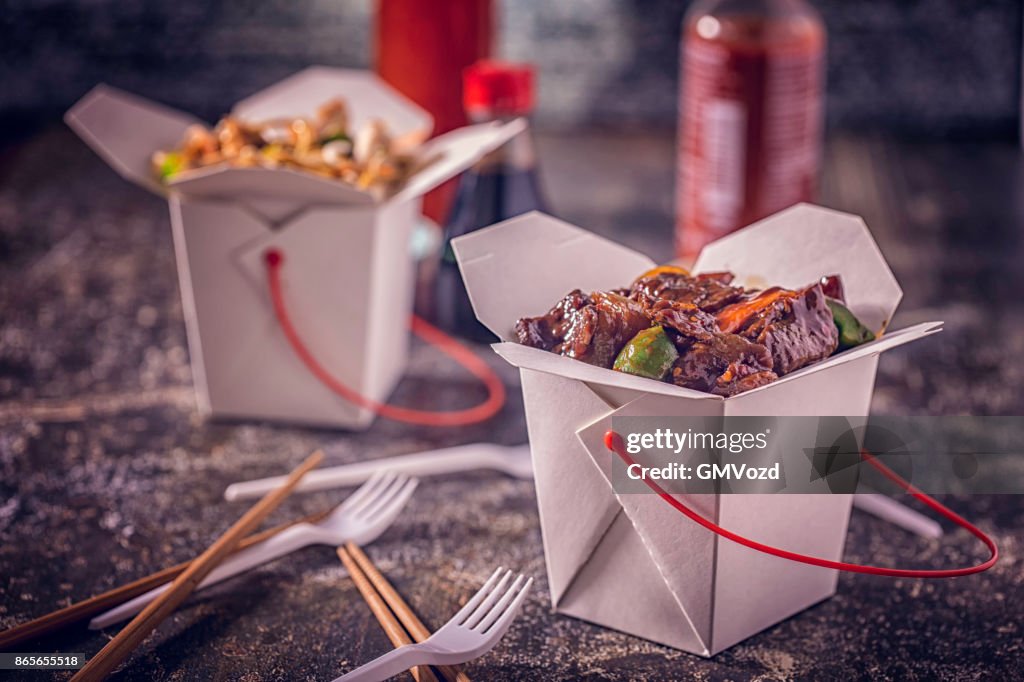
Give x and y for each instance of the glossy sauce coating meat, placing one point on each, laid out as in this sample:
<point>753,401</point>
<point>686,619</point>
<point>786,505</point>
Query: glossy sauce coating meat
<point>548,331</point>
<point>590,328</point>
<point>726,365</point>
<point>689,322</point>
<point>598,331</point>
<point>728,340</point>
<point>796,326</point>
<point>709,292</point>
<point>709,359</point>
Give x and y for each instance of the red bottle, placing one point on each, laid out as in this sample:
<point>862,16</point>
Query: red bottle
<point>421,49</point>
<point>750,114</point>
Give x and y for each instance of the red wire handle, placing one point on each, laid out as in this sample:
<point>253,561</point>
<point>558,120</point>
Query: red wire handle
<point>613,441</point>
<point>274,260</point>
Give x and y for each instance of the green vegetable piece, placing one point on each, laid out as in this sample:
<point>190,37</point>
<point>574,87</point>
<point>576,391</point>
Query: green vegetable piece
<point>171,163</point>
<point>336,137</point>
<point>648,354</point>
<point>851,331</point>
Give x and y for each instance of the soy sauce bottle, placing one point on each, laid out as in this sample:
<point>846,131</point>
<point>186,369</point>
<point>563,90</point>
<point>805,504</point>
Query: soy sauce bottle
<point>501,185</point>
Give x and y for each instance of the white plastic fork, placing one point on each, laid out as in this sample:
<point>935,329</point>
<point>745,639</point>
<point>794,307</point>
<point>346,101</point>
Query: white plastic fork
<point>512,460</point>
<point>361,519</point>
<point>472,632</point>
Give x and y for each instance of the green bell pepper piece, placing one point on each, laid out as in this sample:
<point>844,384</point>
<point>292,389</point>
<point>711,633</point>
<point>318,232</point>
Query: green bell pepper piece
<point>335,138</point>
<point>851,331</point>
<point>648,354</point>
<point>171,164</point>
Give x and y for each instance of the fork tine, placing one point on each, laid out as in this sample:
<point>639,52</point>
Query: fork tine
<point>497,629</point>
<point>360,494</point>
<point>394,504</point>
<point>477,597</point>
<point>487,603</point>
<point>386,479</point>
<point>387,494</point>
<point>499,608</point>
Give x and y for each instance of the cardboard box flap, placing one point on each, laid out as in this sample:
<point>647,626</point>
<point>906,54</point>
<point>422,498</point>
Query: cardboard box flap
<point>365,94</point>
<point>526,357</point>
<point>125,130</point>
<point>448,155</point>
<point>797,246</point>
<point>886,342</point>
<point>523,266</point>
<point>226,182</point>
<point>682,550</point>
<point>569,539</point>
<point>444,157</point>
<point>620,587</point>
<point>539,360</point>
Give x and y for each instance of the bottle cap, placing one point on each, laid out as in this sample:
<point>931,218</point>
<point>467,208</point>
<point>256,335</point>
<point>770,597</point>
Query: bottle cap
<point>499,87</point>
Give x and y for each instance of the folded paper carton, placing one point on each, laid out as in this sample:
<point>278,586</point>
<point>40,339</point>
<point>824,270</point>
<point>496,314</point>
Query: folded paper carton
<point>348,273</point>
<point>631,562</point>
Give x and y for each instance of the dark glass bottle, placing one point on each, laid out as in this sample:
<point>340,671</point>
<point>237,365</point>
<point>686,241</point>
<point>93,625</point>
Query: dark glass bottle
<point>501,185</point>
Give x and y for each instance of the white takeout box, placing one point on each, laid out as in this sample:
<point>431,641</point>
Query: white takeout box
<point>348,273</point>
<point>630,561</point>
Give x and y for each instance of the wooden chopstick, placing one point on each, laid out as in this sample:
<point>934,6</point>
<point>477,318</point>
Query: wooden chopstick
<point>56,620</point>
<point>392,628</point>
<point>139,628</point>
<point>406,615</point>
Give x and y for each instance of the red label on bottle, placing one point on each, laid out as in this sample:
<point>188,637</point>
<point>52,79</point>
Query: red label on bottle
<point>749,133</point>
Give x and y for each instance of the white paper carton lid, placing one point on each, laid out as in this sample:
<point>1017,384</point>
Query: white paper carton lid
<point>125,130</point>
<point>539,360</point>
<point>523,266</point>
<point>448,155</point>
<point>366,96</point>
<point>443,157</point>
<point>222,182</point>
<point>795,247</point>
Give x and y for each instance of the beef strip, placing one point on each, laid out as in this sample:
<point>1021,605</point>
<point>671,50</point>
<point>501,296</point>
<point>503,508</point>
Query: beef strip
<point>833,287</point>
<point>548,331</point>
<point>727,364</point>
<point>688,321</point>
<point>710,291</point>
<point>795,326</point>
<point>598,331</point>
<point>709,360</point>
<point>590,328</point>
<point>728,341</point>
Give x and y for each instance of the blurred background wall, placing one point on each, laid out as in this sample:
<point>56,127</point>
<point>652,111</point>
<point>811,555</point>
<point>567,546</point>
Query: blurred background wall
<point>916,67</point>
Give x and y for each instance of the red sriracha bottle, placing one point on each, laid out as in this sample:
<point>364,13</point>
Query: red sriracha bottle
<point>750,115</point>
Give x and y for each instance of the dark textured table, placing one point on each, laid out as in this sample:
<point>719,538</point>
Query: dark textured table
<point>108,472</point>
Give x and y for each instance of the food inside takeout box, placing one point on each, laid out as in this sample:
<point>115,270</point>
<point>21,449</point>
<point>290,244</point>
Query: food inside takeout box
<point>325,146</point>
<point>630,562</point>
<point>328,145</point>
<point>699,331</point>
<point>347,271</point>
<point>280,141</point>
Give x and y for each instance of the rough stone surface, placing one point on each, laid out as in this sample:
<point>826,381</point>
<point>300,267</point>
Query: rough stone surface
<point>107,473</point>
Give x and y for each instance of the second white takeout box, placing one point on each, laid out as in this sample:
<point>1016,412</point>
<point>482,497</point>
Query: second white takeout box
<point>631,562</point>
<point>347,273</point>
